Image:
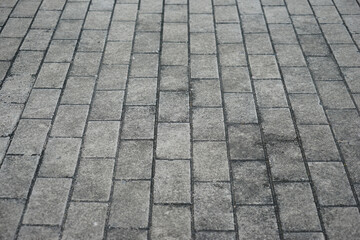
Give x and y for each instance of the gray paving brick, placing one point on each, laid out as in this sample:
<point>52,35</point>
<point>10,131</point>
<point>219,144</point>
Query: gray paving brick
<point>215,235</point>
<point>206,93</point>
<point>258,43</point>
<point>336,33</point>
<point>121,31</point>
<point>282,33</point>
<point>92,41</point>
<point>147,42</point>
<point>25,9</point>
<point>144,65</point>
<point>232,55</point>
<point>334,219</point>
<point>16,88</point>
<point>345,124</point>
<point>175,13</point>
<point>70,121</point>
<point>112,77</point>
<point>236,79</point>
<point>174,78</point>
<point>208,156</point>
<point>334,94</point>
<point>228,33</point>
<point>307,109</point>
<point>4,67</point>
<point>135,160</point>
<point>68,29</point>
<point>304,235</point>
<point>9,117</point>
<point>94,179</point>
<point>351,78</point>
<point>276,14</point>
<point>331,183</point>
<point>148,22</point>
<point>127,234</point>
<point>130,206</point>
<point>174,54</point>
<point>52,5</point>
<point>9,47</point>
<point>102,5</point>
<point>201,23</point>
<point>60,51</point>
<point>240,108</point>
<point>48,201</point>
<point>226,14</point>
<point>202,43</point>
<point>351,153</point>
<point>98,20</point>
<point>36,39</point>
<point>208,124</point>
<point>171,222</point>
<point>41,103</point>
<point>27,62</point>
<point>173,141</point>
<point>85,216</point>
<point>298,7</point>
<point>29,137</point>
<point>139,123</point>
<point>46,19</point>
<point>327,14</point>
<point>11,211</point>
<point>277,124</point>
<point>245,142</point>
<point>290,55</point>
<point>4,13</point>
<point>4,143</point>
<point>318,142</point>
<point>270,93</point>
<point>175,32</point>
<point>16,27</point>
<point>38,232</point>
<point>201,6</point>
<point>86,63</point>
<point>250,7</point>
<point>259,221</point>
<point>263,66</point>
<point>141,91</point>
<point>78,90</point>
<point>151,6</point>
<point>253,23</point>
<point>297,207</point>
<point>251,183</point>
<point>298,80</point>
<point>101,139</point>
<point>107,105</point>
<point>75,10</point>
<point>212,207</point>
<point>174,107</point>
<point>60,157</point>
<point>172,182</point>
<point>125,12</point>
<point>305,24</point>
<point>204,66</point>
<point>346,55</point>
<point>351,23</point>
<point>16,175</point>
<point>52,75</point>
<point>314,45</point>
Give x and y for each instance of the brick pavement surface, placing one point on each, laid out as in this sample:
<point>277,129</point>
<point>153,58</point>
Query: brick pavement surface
<point>179,119</point>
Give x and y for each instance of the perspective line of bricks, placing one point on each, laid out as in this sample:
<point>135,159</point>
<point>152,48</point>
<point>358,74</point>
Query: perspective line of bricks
<point>180,119</point>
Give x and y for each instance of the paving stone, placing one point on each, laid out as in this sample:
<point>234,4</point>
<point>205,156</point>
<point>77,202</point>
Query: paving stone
<point>327,14</point>
<point>172,182</point>
<point>52,5</point>
<point>206,93</point>
<point>107,105</point>
<point>75,10</point>
<point>173,107</point>
<point>232,55</point>
<point>102,5</point>
<point>282,33</point>
<point>236,79</point>
<point>85,216</point>
<point>148,22</point>
<point>52,75</point>
<point>226,14</point>
<point>121,31</point>
<point>314,45</point>
<point>305,24</point>
<point>263,66</point>
<point>151,6</point>
<point>298,80</point>
<point>139,123</point>
<point>290,55</point>
<point>4,143</point>
<point>86,63</point>
<point>307,109</point>
<point>29,137</point>
<point>135,160</point>
<point>127,234</point>
<point>171,222</point>
<point>346,55</point>
<point>331,183</point>
<point>318,143</point>
<point>117,53</point>
<point>351,76</point>
<point>41,103</point>
<point>201,23</point>
<point>16,175</point>
<point>351,153</point>
<point>208,156</point>
<point>277,124</point>
<point>147,42</point>
<point>297,207</point>
<point>204,66</point>
<point>92,41</point>
<point>245,142</point>
<point>253,23</point>
<point>276,14</point>
<point>174,78</point>
<point>175,32</point>
<point>141,91</point>
<point>336,33</point>
<point>98,20</point>
<point>212,207</point>
<point>39,232</point>
<point>130,206</point>
<point>94,179</point>
<point>27,62</point>
<point>286,162</point>
<point>351,23</point>
<point>16,27</point>
<point>250,7</point>
<point>251,183</point>
<point>60,51</point>
<point>144,65</point>
<point>4,67</point>
<point>9,117</point>
<point>60,157</point>
<point>125,12</point>
<point>334,94</point>
<point>68,29</point>
<point>298,7</point>
<point>202,43</point>
<point>208,124</point>
<point>215,236</point>
<point>78,90</point>
<point>228,33</point>
<point>240,108</point>
<point>9,47</point>
<point>112,77</point>
<point>16,89</point>
<point>173,141</point>
<point>258,43</point>
<point>25,9</point>
<point>4,13</point>
<point>174,54</point>
<point>304,235</point>
<point>270,93</point>
<point>175,13</point>
<point>201,6</point>
<point>345,124</point>
<point>70,121</point>
<point>101,139</point>
<point>11,212</point>
<point>47,201</point>
<point>259,221</point>
<point>334,219</point>
<point>46,20</point>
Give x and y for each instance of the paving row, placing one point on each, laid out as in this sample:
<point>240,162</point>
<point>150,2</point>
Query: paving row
<point>179,119</point>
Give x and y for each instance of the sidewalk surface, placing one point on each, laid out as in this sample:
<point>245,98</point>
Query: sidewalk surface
<point>177,119</point>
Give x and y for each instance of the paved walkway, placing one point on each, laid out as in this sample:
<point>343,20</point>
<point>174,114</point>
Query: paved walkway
<point>176,119</point>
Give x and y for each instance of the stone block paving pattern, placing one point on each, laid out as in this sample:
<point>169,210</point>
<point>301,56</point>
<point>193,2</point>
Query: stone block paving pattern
<point>179,119</point>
